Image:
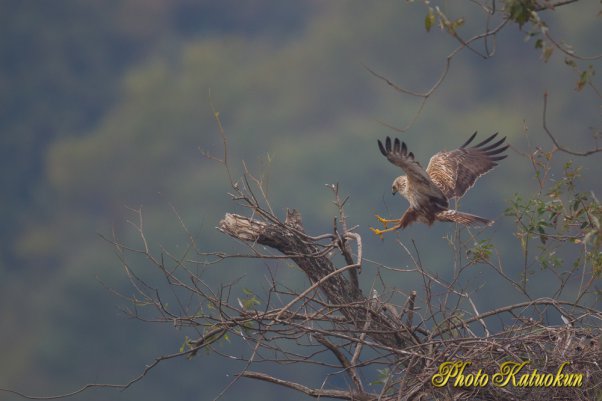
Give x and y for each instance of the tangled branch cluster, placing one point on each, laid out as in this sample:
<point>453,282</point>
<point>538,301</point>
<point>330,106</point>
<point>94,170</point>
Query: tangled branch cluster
<point>332,325</point>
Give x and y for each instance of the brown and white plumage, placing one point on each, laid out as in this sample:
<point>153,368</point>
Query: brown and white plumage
<point>448,175</point>
<point>456,171</point>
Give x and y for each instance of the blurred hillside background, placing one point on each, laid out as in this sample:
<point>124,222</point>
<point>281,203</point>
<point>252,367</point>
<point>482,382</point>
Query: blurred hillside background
<point>105,105</point>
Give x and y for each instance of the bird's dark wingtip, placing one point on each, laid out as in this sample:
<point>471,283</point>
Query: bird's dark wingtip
<point>382,148</point>
<point>396,146</point>
<point>496,151</point>
<point>469,140</point>
<point>486,140</point>
<point>493,145</point>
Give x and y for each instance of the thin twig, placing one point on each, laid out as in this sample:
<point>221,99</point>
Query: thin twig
<point>558,145</point>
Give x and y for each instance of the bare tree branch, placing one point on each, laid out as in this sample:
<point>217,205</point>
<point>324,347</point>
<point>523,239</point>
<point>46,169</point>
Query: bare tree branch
<point>556,143</point>
<point>316,393</point>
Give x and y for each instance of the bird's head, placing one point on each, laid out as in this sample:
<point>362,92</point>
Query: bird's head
<point>400,185</point>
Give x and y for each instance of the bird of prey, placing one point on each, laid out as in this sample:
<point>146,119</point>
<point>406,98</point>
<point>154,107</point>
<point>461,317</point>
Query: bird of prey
<point>448,175</point>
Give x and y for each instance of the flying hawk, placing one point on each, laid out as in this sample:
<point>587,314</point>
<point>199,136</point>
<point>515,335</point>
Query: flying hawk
<point>448,175</point>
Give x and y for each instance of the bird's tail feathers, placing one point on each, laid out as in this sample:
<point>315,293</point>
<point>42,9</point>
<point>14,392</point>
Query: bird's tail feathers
<point>463,218</point>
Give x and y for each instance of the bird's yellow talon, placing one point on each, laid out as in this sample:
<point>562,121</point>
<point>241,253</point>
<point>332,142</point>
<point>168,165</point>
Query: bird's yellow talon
<point>386,222</point>
<point>377,232</point>
<point>383,221</point>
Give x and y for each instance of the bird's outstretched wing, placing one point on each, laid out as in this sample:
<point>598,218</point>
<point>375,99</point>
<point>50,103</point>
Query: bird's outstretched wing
<point>399,156</point>
<point>456,171</point>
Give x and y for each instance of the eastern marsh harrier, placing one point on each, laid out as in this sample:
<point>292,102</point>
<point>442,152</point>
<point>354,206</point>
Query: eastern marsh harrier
<point>448,175</point>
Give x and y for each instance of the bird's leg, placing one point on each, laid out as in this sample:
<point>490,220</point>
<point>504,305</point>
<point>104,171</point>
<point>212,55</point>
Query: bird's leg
<point>408,218</point>
<point>381,232</point>
<point>386,221</point>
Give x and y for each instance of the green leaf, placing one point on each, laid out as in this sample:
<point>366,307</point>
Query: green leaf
<point>429,20</point>
<point>542,233</point>
<point>249,302</point>
<point>547,53</point>
<point>457,23</point>
<point>583,78</point>
<point>520,10</point>
<point>383,375</point>
<point>185,344</point>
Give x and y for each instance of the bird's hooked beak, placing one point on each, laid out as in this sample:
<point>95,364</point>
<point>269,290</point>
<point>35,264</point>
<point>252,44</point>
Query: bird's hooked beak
<point>393,192</point>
